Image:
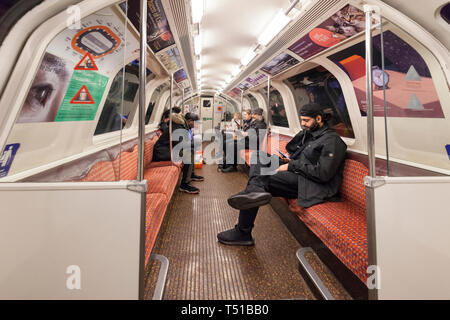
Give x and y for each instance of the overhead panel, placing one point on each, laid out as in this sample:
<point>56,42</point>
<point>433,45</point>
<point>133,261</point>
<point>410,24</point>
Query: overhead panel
<point>177,10</point>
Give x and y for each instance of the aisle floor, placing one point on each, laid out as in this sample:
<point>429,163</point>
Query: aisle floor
<point>202,268</point>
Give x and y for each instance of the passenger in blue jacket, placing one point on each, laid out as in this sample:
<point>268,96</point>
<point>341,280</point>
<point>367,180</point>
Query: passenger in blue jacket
<point>312,174</point>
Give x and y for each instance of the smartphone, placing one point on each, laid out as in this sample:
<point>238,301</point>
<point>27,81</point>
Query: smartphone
<point>283,154</point>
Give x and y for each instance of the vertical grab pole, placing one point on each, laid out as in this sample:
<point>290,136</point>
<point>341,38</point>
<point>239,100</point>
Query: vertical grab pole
<point>269,115</point>
<point>370,187</point>
<point>142,84</point>
<point>141,138</point>
<point>170,116</point>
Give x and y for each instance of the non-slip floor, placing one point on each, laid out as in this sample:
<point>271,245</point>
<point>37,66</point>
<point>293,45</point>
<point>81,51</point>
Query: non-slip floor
<point>202,268</point>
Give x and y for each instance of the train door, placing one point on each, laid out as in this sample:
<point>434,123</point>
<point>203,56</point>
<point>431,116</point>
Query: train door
<point>206,111</point>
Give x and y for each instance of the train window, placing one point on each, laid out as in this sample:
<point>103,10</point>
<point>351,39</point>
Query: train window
<point>276,107</point>
<point>154,99</point>
<point>410,91</point>
<point>119,106</point>
<point>5,6</point>
<point>320,86</point>
<point>445,13</point>
<point>253,101</point>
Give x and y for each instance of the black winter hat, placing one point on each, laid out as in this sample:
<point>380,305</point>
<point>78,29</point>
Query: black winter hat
<point>311,110</point>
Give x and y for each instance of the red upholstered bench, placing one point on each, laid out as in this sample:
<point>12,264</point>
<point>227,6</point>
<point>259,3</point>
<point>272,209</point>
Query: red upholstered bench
<point>271,149</point>
<point>161,177</point>
<point>342,226</point>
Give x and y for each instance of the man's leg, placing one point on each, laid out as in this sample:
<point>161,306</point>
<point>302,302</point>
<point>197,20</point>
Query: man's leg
<point>280,184</point>
<point>185,186</point>
<point>241,234</point>
<point>256,193</point>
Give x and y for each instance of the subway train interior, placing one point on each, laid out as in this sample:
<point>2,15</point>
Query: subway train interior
<point>91,209</point>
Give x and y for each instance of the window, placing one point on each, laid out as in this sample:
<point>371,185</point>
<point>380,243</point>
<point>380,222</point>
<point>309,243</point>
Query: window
<point>276,107</point>
<point>154,99</point>
<point>445,13</point>
<point>318,85</point>
<point>253,101</point>
<point>119,105</point>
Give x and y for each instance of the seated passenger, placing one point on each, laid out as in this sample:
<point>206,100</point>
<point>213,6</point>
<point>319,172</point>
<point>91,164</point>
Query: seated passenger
<point>312,174</point>
<point>250,131</point>
<point>190,121</point>
<point>161,150</point>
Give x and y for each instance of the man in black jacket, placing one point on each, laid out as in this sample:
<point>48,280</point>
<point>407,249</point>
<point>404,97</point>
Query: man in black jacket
<point>161,151</point>
<point>312,174</point>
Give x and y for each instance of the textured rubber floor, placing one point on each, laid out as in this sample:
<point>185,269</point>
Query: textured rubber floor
<point>202,268</point>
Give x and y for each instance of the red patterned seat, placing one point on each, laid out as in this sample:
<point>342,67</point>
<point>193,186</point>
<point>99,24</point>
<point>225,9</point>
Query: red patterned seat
<point>128,165</point>
<point>282,142</point>
<point>342,226</point>
<point>101,171</point>
<point>155,209</point>
<point>162,179</point>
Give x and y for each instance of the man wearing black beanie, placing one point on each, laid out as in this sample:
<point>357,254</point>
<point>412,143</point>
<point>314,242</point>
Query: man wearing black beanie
<point>312,174</point>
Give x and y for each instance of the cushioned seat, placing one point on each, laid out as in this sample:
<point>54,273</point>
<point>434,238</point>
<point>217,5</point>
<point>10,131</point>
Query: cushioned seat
<point>128,165</point>
<point>156,205</point>
<point>342,226</point>
<point>101,171</point>
<point>162,179</point>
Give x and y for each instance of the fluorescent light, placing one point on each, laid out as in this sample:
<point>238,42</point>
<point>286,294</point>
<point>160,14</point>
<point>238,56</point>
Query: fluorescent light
<point>197,10</point>
<point>236,72</point>
<point>198,63</point>
<point>275,26</point>
<point>248,57</point>
<point>198,44</point>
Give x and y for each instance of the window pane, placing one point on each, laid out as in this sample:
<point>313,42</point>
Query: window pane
<point>154,99</point>
<point>253,101</point>
<point>116,112</point>
<point>318,85</point>
<point>445,12</point>
<point>276,107</point>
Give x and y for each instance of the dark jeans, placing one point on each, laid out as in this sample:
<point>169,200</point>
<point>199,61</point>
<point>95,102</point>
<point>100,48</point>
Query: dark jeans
<point>188,169</point>
<point>281,184</point>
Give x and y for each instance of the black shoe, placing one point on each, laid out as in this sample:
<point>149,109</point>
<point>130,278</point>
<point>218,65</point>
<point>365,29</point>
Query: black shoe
<point>230,169</point>
<point>236,237</point>
<point>184,187</point>
<point>246,200</point>
<point>195,177</point>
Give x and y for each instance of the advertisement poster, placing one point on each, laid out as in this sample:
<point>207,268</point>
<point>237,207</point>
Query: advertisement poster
<point>410,91</point>
<point>256,78</point>
<point>279,64</point>
<point>7,158</point>
<point>344,24</point>
<point>236,92</point>
<point>101,38</point>
<point>75,69</point>
<point>159,35</point>
<point>170,59</point>
<point>83,96</point>
<point>244,86</point>
<point>179,76</point>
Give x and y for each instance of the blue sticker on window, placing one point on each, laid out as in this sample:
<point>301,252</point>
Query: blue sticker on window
<point>448,150</point>
<point>7,157</point>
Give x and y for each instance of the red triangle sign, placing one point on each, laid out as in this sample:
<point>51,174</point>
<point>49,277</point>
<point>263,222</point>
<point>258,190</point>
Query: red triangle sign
<point>87,63</point>
<point>82,97</point>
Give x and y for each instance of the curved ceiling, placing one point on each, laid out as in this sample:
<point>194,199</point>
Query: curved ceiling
<point>229,29</point>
